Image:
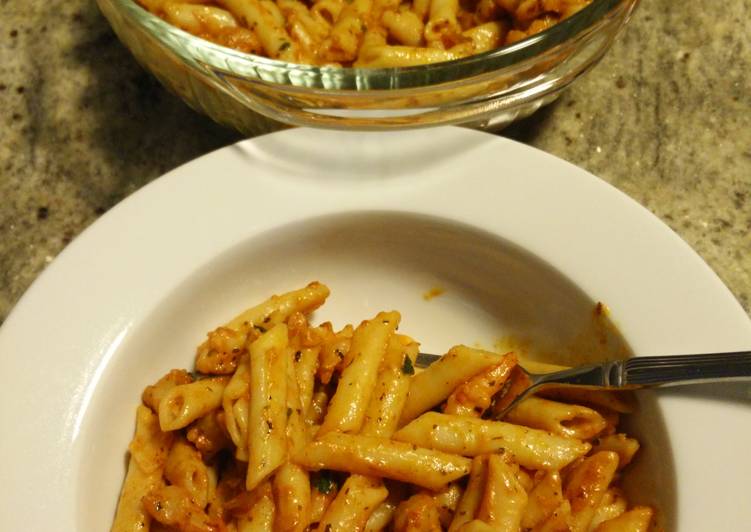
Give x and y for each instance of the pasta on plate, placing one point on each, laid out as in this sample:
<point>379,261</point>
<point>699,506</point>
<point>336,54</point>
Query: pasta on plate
<point>364,33</point>
<point>287,426</point>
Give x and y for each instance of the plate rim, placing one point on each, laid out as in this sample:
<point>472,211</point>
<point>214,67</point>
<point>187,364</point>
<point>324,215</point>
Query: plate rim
<point>366,195</point>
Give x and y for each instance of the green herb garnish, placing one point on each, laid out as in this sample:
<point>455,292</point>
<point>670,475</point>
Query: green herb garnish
<point>407,367</point>
<point>323,482</point>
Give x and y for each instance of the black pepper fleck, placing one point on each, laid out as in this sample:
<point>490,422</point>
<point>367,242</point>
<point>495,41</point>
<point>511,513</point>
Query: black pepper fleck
<point>43,213</point>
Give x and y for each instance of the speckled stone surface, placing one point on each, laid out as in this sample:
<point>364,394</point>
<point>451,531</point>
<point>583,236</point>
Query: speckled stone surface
<point>666,117</point>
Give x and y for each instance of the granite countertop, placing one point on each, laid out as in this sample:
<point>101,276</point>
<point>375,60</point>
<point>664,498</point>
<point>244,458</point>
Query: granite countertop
<point>665,117</point>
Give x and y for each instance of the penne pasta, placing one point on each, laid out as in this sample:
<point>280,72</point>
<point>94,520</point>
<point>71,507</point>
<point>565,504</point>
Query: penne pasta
<point>172,506</point>
<point>297,434</point>
<point>154,393</point>
<point>572,421</point>
<point>148,453</point>
<point>469,503</point>
<point>292,498</point>
<point>443,29</point>
<point>235,405</point>
<point>335,352</point>
<point>638,519</point>
<point>197,18</point>
<point>322,494</point>
<point>621,444</point>
<point>346,410</point>
<point>447,500</point>
<point>384,513</point>
<point>260,517</point>
<point>277,309</point>
<point>474,396</point>
<point>267,416</point>
<point>466,436</point>
<point>586,486</point>
<point>486,37</point>
<point>502,504</point>
<point>544,498</point>
<point>185,403</point>
<point>185,468</point>
<point>334,32</point>
<point>559,521</point>
<point>327,10</point>
<point>612,505</point>
<point>366,455</point>
<point>343,42</point>
<point>419,513</point>
<point>131,516</point>
<point>150,446</point>
<point>384,56</point>
<point>436,383</point>
<point>297,428</point>
<point>209,435</point>
<point>621,402</point>
<point>391,388</point>
<point>477,526</point>
<point>405,27</point>
<point>306,366</point>
<point>353,505</point>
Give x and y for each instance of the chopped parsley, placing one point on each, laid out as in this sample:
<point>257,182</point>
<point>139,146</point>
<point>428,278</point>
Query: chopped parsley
<point>323,482</point>
<point>407,367</point>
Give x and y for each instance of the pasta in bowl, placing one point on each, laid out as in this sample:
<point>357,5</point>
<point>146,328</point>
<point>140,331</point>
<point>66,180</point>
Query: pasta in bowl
<point>367,66</point>
<point>366,33</point>
<point>290,426</point>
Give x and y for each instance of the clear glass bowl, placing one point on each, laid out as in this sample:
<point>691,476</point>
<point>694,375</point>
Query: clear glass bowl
<point>255,94</point>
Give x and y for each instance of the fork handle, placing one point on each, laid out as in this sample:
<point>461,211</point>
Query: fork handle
<point>658,371</point>
<point>686,369</point>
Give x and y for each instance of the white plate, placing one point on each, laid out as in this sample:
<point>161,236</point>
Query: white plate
<point>523,243</point>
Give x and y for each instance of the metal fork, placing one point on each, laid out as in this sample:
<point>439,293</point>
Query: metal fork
<point>635,373</point>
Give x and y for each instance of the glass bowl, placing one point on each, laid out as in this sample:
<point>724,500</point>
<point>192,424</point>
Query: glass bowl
<point>256,94</point>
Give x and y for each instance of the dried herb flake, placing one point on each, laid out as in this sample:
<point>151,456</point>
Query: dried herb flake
<point>323,482</point>
<point>407,367</point>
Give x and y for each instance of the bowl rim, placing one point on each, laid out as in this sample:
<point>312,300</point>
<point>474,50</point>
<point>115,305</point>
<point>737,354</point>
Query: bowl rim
<point>227,62</point>
<point>678,310</point>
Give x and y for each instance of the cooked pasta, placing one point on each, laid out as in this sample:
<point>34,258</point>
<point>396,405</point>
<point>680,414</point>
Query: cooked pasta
<point>287,426</point>
<point>340,32</point>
